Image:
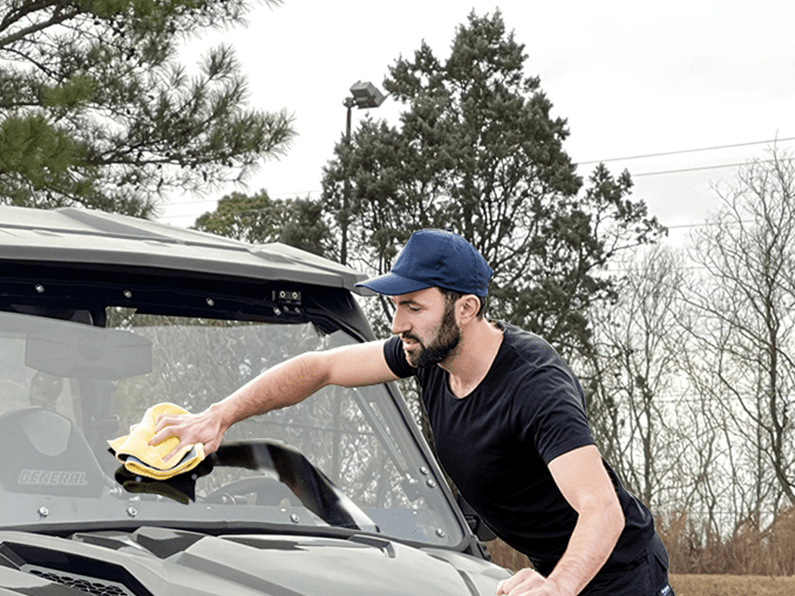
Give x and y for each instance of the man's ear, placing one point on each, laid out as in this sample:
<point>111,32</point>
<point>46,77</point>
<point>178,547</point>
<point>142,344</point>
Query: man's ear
<point>467,308</point>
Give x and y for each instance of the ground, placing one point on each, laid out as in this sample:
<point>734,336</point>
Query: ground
<point>732,585</point>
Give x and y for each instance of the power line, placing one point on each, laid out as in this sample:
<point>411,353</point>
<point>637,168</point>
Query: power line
<point>699,168</point>
<point>634,174</point>
<point>683,151</point>
<point>270,195</point>
<point>693,225</point>
<point>205,201</point>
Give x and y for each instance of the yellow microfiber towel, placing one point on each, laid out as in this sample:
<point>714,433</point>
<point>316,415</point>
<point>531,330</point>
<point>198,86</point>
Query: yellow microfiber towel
<point>142,459</point>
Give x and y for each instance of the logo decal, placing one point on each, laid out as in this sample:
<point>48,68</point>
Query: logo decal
<point>52,478</point>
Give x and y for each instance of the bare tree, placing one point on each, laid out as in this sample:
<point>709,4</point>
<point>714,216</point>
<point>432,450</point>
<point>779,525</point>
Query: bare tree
<point>743,338</point>
<point>691,388</point>
<point>632,384</point>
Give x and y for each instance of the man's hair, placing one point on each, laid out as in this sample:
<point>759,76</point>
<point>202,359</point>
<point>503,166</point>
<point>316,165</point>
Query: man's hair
<point>450,296</point>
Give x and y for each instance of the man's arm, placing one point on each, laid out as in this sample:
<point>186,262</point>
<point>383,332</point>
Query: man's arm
<point>583,481</point>
<point>283,385</point>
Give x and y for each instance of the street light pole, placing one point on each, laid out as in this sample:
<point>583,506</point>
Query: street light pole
<point>348,102</point>
<point>363,95</point>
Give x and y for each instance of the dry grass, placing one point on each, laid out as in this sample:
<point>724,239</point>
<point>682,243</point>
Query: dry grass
<point>751,562</point>
<point>749,550</point>
<point>504,556</point>
<point>732,585</point>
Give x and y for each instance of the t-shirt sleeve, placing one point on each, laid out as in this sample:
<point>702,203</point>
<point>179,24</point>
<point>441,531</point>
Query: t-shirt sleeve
<point>552,415</point>
<point>396,358</point>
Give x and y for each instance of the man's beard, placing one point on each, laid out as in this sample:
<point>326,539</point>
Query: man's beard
<point>446,340</point>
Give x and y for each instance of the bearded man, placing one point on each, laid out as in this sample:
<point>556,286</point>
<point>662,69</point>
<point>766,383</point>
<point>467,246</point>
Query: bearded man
<point>508,420</point>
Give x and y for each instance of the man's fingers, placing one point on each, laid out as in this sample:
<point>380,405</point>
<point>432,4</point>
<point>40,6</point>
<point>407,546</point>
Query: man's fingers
<point>164,428</point>
<point>161,436</point>
<point>525,580</point>
<point>187,428</point>
<point>165,420</point>
<point>173,452</point>
<point>504,587</point>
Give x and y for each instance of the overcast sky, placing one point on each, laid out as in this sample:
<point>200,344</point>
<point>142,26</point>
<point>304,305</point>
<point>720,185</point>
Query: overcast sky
<point>632,78</point>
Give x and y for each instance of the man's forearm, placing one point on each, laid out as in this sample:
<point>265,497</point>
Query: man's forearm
<point>283,385</point>
<point>278,387</point>
<point>593,540</point>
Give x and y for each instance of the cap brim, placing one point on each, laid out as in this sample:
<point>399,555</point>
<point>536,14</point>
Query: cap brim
<point>394,285</point>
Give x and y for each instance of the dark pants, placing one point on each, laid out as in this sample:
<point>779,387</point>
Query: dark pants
<point>648,576</point>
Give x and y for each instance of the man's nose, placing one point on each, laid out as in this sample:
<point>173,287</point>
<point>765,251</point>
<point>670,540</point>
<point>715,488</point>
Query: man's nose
<point>398,323</point>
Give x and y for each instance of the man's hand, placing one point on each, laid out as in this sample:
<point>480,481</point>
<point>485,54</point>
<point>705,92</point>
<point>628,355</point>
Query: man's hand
<point>528,583</point>
<point>202,428</point>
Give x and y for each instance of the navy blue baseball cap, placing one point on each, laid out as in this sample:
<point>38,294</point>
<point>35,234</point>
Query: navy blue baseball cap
<point>435,258</point>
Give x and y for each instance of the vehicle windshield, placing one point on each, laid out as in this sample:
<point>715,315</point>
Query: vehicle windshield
<point>68,388</point>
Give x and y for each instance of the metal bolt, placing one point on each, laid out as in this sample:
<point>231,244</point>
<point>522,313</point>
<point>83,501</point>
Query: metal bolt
<point>43,511</point>
<point>132,511</point>
<point>127,294</point>
<point>431,483</point>
<point>424,471</point>
<point>40,288</point>
<point>295,518</point>
<point>440,533</point>
<point>210,302</point>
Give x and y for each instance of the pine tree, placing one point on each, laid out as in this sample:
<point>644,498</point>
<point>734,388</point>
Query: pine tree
<point>95,110</point>
<point>478,151</point>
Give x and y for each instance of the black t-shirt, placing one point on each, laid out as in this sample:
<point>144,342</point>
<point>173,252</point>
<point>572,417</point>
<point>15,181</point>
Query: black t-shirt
<point>496,443</point>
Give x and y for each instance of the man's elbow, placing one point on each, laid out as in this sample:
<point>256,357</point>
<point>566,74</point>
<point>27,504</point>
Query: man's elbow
<point>607,509</point>
<point>309,373</point>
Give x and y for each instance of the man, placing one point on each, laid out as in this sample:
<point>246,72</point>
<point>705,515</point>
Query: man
<point>508,419</point>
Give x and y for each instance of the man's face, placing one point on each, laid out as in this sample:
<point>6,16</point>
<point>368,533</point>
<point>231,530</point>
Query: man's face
<point>426,325</point>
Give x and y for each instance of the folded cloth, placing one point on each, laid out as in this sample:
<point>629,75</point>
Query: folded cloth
<point>142,459</point>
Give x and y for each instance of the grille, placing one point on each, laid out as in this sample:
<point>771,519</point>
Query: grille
<point>89,585</point>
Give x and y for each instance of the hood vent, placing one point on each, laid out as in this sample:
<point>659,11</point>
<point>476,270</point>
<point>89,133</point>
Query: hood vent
<point>89,585</point>
<point>86,574</point>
